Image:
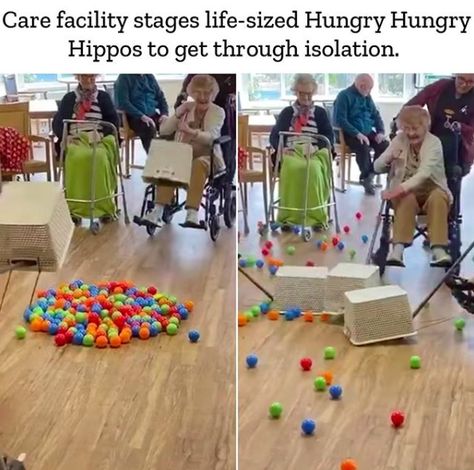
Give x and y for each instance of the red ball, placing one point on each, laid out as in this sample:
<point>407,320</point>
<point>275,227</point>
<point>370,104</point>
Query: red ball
<point>62,330</point>
<point>358,215</point>
<point>268,244</point>
<point>120,322</point>
<point>309,263</point>
<point>68,335</point>
<point>335,241</point>
<point>346,229</point>
<point>164,323</point>
<point>152,290</point>
<point>60,339</point>
<point>397,418</point>
<point>265,252</point>
<point>306,363</point>
<point>94,318</point>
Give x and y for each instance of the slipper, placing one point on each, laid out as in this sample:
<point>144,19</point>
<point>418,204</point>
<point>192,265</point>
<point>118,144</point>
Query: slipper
<point>459,283</point>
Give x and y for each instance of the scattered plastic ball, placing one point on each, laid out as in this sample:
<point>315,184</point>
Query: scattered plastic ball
<point>310,263</point>
<point>20,332</point>
<point>308,426</point>
<point>273,270</point>
<point>348,464</point>
<point>359,215</point>
<point>306,363</point>
<point>324,246</point>
<point>242,319</point>
<point>341,246</point>
<point>328,376</point>
<point>243,263</point>
<point>255,311</point>
<point>273,315</point>
<point>252,360</point>
<point>60,339</point>
<point>365,238</point>
<point>259,263</point>
<point>289,315</point>
<point>335,391</point>
<point>276,409</point>
<point>319,244</point>
<point>251,261</point>
<point>459,324</point>
<point>352,254</point>
<point>415,362</point>
<point>194,336</point>
<point>320,384</point>
<point>397,418</point>
<point>264,308</point>
<point>346,229</point>
<point>329,353</point>
<point>296,230</point>
<point>290,250</point>
<point>308,317</point>
<point>268,244</point>
<point>335,241</point>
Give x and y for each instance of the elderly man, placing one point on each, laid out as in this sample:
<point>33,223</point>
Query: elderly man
<point>356,114</point>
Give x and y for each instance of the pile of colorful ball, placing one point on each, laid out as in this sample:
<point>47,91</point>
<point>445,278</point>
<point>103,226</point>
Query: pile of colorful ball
<point>106,314</point>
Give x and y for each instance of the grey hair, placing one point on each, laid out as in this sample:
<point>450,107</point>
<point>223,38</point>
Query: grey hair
<point>304,78</point>
<point>206,82</point>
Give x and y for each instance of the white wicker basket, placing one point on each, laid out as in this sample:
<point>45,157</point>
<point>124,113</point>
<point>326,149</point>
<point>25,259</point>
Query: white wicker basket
<point>377,314</point>
<point>35,225</point>
<point>346,277</point>
<point>300,286</point>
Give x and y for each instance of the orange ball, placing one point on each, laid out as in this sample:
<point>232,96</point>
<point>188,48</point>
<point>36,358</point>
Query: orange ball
<point>189,305</point>
<point>273,315</point>
<point>118,290</point>
<point>100,332</point>
<point>125,337</point>
<point>77,293</point>
<point>144,333</point>
<point>325,317</point>
<point>60,303</point>
<point>324,246</point>
<point>328,376</point>
<point>115,341</point>
<point>308,316</point>
<point>349,464</point>
<point>36,325</point>
<point>242,319</point>
<point>45,326</point>
<point>146,325</point>
<point>101,341</point>
<point>279,263</point>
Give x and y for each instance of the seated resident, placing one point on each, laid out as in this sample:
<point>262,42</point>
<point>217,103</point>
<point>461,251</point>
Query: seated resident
<point>307,119</point>
<point>200,123</point>
<point>356,115</point>
<point>140,97</point>
<point>417,182</point>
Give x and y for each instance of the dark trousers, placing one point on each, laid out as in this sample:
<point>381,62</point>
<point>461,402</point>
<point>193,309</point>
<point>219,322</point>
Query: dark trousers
<point>143,130</point>
<point>362,152</point>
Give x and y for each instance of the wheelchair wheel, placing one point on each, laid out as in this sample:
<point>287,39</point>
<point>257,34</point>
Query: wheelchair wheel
<point>214,227</point>
<point>230,210</point>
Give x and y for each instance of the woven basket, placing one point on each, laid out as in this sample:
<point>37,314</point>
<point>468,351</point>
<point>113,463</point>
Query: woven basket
<point>346,277</point>
<point>300,286</point>
<point>35,225</point>
<point>377,314</point>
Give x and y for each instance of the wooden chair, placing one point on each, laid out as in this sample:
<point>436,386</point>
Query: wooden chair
<point>250,176</point>
<point>17,116</point>
<point>129,137</point>
<point>345,155</point>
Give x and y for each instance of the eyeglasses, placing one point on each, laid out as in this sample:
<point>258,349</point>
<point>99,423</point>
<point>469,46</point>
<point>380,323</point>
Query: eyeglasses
<point>303,94</point>
<point>464,81</point>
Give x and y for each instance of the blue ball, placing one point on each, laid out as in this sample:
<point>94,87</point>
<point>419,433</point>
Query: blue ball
<point>252,360</point>
<point>289,315</point>
<point>273,270</point>
<point>274,226</point>
<point>51,292</point>
<point>296,312</point>
<point>26,315</point>
<point>264,308</point>
<point>82,308</point>
<point>77,339</point>
<point>53,329</point>
<point>296,230</point>
<point>154,330</point>
<point>308,426</point>
<point>135,331</point>
<point>78,282</point>
<point>194,336</point>
<point>341,245</point>
<point>260,264</point>
<point>335,391</point>
<point>67,305</point>
<point>318,243</point>
<point>242,263</point>
<point>80,326</point>
<point>365,239</point>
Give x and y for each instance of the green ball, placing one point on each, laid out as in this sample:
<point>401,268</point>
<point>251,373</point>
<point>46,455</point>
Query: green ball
<point>157,325</point>
<point>118,304</point>
<point>172,329</point>
<point>249,315</point>
<point>165,309</point>
<point>146,309</point>
<point>290,250</point>
<point>173,299</point>
<point>20,332</point>
<point>276,409</point>
<point>112,332</point>
<point>415,362</point>
<point>88,340</point>
<point>329,352</point>
<point>320,384</point>
<point>116,315</point>
<point>255,310</point>
<point>459,323</point>
<point>38,310</point>
<point>81,317</point>
<point>251,261</point>
<point>352,253</point>
<point>104,326</point>
<point>84,287</point>
<point>174,320</point>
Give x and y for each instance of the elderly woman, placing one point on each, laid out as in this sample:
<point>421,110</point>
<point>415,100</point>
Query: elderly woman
<point>87,103</point>
<point>418,182</point>
<point>200,123</point>
<point>304,118</point>
<point>451,100</point>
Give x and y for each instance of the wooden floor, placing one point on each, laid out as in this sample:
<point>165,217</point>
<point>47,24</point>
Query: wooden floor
<point>438,399</point>
<point>157,404</point>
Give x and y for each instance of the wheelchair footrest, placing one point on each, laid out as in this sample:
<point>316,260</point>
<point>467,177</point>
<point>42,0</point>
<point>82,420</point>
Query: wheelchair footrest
<point>143,222</point>
<point>200,226</point>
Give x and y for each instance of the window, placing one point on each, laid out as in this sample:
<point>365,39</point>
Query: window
<point>267,91</point>
<point>424,79</point>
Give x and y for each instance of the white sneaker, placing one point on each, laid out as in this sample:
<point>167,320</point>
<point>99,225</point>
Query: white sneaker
<point>441,258</point>
<point>395,258</point>
<point>155,216</point>
<point>192,217</point>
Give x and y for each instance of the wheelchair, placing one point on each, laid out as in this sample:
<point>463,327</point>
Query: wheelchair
<point>219,197</point>
<point>451,145</point>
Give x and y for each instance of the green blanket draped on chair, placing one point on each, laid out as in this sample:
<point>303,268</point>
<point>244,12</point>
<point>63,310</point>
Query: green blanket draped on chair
<point>292,187</point>
<point>78,174</point>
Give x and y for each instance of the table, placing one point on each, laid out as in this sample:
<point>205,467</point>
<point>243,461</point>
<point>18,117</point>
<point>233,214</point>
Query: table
<point>261,124</point>
<point>43,109</point>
